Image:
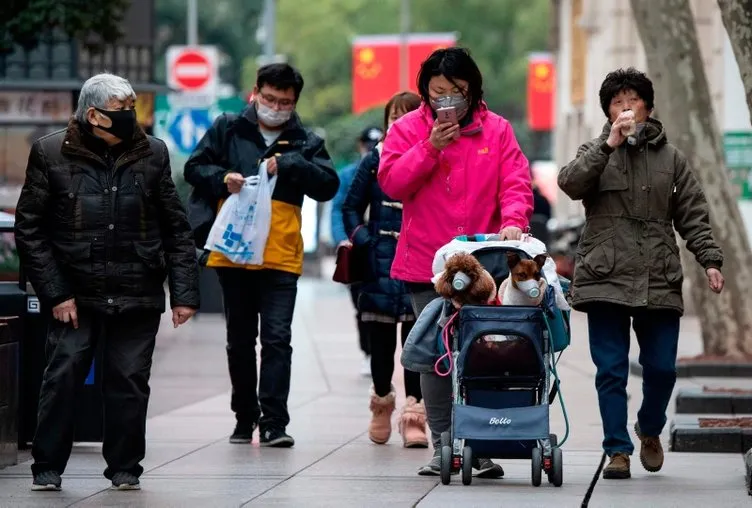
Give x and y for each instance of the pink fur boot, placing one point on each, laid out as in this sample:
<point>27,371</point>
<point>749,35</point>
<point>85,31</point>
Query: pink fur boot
<point>382,408</point>
<point>412,424</point>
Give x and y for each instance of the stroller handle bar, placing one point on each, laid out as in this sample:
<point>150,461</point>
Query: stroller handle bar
<point>480,237</point>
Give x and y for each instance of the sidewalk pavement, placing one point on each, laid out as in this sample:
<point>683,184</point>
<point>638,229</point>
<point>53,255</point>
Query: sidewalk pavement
<point>190,463</point>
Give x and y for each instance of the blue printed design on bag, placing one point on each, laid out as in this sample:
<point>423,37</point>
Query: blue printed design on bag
<point>233,244</point>
<point>230,237</point>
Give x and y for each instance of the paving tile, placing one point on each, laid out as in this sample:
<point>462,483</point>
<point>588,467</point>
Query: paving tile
<point>249,461</point>
<point>182,493</point>
<point>335,492</point>
<point>17,493</point>
<point>699,479</point>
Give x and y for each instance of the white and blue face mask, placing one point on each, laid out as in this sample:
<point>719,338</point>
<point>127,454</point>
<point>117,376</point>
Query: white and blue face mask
<point>529,287</point>
<point>272,117</point>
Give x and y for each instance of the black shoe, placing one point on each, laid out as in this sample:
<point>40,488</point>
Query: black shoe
<point>47,480</point>
<point>488,469</point>
<point>125,481</point>
<point>276,438</point>
<point>243,433</point>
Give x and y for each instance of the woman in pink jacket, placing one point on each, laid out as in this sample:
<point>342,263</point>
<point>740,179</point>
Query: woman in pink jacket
<point>453,179</point>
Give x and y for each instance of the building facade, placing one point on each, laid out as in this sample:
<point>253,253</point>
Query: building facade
<point>598,36</point>
<point>39,88</point>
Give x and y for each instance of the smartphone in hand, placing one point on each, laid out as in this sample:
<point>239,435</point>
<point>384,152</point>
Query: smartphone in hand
<point>447,115</point>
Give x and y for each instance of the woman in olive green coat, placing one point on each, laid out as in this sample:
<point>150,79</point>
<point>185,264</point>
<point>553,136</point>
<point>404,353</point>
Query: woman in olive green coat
<point>636,188</point>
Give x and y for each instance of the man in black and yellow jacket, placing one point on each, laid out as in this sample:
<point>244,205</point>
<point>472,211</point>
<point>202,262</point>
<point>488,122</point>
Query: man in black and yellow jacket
<point>233,149</point>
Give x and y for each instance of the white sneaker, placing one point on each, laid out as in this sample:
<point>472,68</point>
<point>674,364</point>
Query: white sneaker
<point>365,367</point>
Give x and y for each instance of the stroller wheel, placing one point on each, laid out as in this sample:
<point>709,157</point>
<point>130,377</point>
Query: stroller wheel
<point>557,467</point>
<point>446,439</point>
<point>446,464</point>
<point>467,465</point>
<point>536,465</point>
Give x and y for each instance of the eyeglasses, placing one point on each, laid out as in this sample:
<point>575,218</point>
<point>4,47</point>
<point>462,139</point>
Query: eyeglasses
<point>272,100</point>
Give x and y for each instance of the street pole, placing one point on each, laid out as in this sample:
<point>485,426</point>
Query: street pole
<point>270,22</point>
<point>192,22</point>
<point>404,54</point>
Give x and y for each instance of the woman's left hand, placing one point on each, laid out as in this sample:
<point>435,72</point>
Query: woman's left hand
<point>511,233</point>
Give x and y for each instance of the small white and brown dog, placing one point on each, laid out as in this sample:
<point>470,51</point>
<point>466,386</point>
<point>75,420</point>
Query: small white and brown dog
<point>525,284</point>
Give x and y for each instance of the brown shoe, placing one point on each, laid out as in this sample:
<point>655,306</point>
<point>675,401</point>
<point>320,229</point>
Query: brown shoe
<point>651,451</point>
<point>618,467</point>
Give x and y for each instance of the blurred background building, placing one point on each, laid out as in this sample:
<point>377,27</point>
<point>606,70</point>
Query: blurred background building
<point>39,88</point>
<point>598,36</point>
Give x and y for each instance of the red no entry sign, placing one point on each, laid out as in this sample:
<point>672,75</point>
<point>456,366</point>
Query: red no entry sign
<point>192,69</point>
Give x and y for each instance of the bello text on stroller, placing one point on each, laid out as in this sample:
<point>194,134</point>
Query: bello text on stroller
<point>499,421</point>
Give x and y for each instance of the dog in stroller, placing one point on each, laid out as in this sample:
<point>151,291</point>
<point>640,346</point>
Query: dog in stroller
<point>500,355</point>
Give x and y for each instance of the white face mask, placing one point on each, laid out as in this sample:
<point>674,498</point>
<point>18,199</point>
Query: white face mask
<point>272,117</point>
<point>529,287</point>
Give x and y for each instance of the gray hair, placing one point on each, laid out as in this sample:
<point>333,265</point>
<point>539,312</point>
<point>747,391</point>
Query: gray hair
<point>101,89</point>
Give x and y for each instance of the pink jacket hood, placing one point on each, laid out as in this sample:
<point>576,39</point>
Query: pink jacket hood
<point>478,184</point>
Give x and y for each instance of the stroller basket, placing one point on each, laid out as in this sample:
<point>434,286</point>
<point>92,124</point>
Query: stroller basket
<point>518,353</point>
<point>523,344</point>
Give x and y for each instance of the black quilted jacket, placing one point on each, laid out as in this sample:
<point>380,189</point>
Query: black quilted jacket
<point>104,225</point>
<point>380,294</point>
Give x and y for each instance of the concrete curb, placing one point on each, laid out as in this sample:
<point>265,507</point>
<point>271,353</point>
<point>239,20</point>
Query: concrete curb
<point>698,401</point>
<point>685,370</point>
<point>687,436</point>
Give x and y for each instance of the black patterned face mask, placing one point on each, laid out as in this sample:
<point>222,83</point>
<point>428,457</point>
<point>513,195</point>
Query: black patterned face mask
<point>123,123</point>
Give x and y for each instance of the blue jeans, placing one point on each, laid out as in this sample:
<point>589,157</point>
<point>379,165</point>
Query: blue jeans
<point>657,334</point>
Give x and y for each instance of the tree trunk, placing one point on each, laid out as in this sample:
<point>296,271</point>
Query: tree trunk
<point>737,18</point>
<point>667,30</point>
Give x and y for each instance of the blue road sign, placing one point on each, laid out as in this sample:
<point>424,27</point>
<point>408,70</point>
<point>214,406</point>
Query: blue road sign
<point>188,127</point>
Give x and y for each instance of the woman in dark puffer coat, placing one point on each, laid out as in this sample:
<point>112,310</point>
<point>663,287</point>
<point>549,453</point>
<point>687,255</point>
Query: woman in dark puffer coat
<point>383,301</point>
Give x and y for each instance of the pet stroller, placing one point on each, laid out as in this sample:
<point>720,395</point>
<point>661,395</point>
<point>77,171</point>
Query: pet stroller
<point>501,393</point>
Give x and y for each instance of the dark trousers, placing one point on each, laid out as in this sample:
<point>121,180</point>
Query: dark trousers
<point>657,333</point>
<point>128,344</point>
<point>363,338</point>
<point>268,297</point>
<point>383,346</point>
<point>436,390</point>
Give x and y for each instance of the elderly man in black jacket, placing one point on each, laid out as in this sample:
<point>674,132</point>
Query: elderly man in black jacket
<point>99,226</point>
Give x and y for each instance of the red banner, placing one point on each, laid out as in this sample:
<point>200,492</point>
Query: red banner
<point>376,65</point>
<point>375,74</point>
<point>420,47</point>
<point>541,90</point>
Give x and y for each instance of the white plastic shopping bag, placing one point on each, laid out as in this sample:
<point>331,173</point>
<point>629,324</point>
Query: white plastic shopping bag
<point>242,225</point>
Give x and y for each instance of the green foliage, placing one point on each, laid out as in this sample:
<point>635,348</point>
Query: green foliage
<point>342,134</point>
<point>317,36</point>
<point>28,22</point>
<point>229,24</point>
